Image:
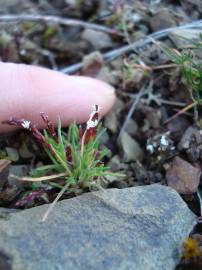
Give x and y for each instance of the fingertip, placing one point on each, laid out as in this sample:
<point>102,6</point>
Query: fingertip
<point>28,90</point>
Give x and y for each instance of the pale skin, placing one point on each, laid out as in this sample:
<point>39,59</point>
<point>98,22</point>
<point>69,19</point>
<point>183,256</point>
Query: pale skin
<point>25,91</point>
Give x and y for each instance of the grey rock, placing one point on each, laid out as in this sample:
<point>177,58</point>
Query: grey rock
<point>10,6</point>
<point>182,37</point>
<point>187,138</point>
<point>17,170</point>
<point>116,165</point>
<point>182,176</point>
<point>25,152</point>
<point>118,184</point>
<point>131,127</point>
<point>134,228</point>
<point>107,75</point>
<point>98,40</point>
<point>130,147</point>
<point>119,105</point>
<point>92,63</point>
<point>4,171</point>
<point>12,153</point>
<point>5,212</point>
<point>111,121</point>
<point>161,20</point>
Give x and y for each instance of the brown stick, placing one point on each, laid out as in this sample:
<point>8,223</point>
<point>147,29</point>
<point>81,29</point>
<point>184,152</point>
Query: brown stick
<point>188,107</point>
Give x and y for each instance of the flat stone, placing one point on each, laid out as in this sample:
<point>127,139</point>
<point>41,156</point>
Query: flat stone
<point>12,153</point>
<point>111,121</point>
<point>92,63</point>
<point>133,228</point>
<point>131,127</point>
<point>25,152</point>
<point>98,40</point>
<point>161,20</point>
<point>182,176</point>
<point>130,147</point>
<point>4,171</point>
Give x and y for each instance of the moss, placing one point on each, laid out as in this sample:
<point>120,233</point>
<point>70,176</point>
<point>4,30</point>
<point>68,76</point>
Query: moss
<point>5,39</point>
<point>3,155</point>
<point>50,32</point>
<point>28,25</point>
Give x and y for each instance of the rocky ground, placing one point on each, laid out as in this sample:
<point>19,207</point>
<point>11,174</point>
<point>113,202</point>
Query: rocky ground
<point>110,229</point>
<point>149,223</point>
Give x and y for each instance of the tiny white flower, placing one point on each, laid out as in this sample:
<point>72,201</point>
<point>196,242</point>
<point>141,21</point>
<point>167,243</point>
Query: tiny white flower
<point>26,124</point>
<point>92,124</point>
<point>164,142</point>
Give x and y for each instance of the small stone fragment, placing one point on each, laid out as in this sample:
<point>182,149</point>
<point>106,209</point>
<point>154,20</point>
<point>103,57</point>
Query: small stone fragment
<point>118,184</point>
<point>12,153</point>
<point>182,176</point>
<point>24,152</point>
<point>191,143</point>
<point>92,63</point>
<point>106,75</point>
<point>161,20</point>
<point>98,40</point>
<point>8,194</point>
<point>130,147</point>
<point>154,118</point>
<point>131,127</point>
<point>4,171</point>
<point>116,165</point>
<point>17,170</point>
<point>177,127</point>
<point>111,121</point>
<point>191,134</point>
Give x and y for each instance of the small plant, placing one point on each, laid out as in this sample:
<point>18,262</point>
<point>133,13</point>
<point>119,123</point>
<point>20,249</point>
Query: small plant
<point>76,155</point>
<point>191,68</point>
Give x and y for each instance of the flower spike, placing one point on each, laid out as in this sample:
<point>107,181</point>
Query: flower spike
<point>91,125</point>
<point>50,126</point>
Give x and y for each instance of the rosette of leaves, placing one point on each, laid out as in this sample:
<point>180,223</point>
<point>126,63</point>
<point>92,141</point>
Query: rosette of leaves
<point>76,156</point>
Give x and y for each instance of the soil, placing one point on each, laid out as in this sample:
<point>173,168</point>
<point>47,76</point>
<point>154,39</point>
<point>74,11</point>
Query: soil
<point>144,142</point>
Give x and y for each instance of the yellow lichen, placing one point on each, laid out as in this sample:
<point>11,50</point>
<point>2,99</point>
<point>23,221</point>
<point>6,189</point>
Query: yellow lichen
<point>190,249</point>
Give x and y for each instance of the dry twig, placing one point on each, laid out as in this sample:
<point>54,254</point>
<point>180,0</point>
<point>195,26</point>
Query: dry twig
<point>143,91</point>
<point>57,20</point>
<point>52,205</point>
<point>187,108</point>
<point>136,45</point>
<point>39,179</point>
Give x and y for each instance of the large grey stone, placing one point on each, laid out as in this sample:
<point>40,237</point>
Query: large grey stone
<point>134,228</point>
